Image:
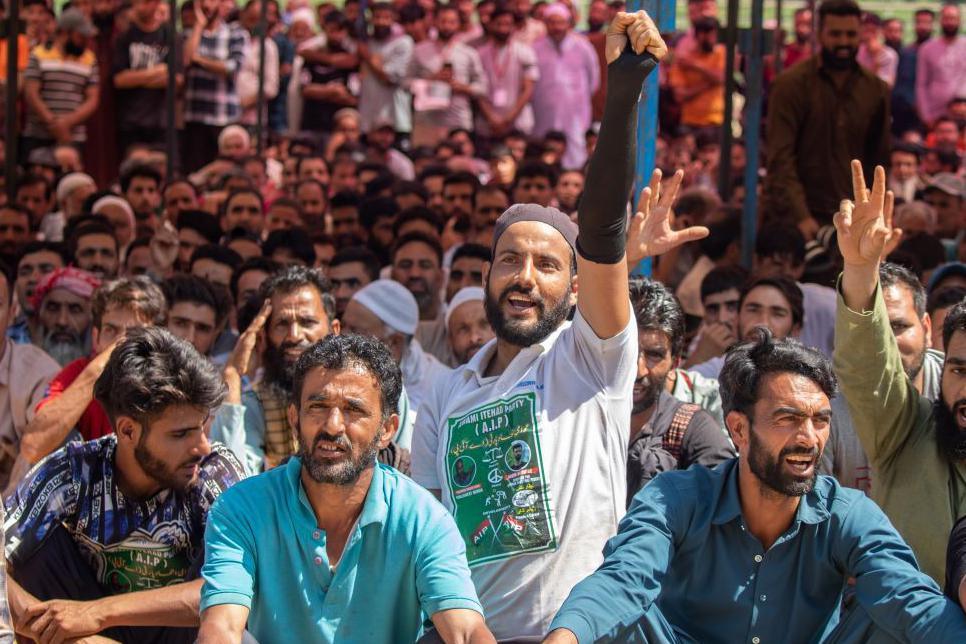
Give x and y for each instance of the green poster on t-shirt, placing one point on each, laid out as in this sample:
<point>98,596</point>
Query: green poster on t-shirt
<point>497,481</point>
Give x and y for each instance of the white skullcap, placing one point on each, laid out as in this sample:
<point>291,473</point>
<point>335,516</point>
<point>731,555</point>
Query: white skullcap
<point>464,295</point>
<point>307,16</point>
<point>233,130</point>
<point>392,303</point>
<point>71,182</point>
<point>557,9</point>
<point>114,200</point>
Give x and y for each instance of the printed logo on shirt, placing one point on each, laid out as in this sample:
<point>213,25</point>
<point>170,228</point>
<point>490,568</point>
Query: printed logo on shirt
<point>496,480</point>
<point>142,561</point>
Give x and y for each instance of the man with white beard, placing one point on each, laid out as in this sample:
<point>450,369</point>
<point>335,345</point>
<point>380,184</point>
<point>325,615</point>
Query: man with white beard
<point>62,314</point>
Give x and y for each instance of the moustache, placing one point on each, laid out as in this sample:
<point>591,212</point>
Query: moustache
<point>418,281</point>
<point>798,451</point>
<point>338,441</point>
<point>517,288</point>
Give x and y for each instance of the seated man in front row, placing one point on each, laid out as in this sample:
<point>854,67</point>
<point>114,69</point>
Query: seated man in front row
<point>332,546</point>
<point>760,549</point>
<point>105,536</point>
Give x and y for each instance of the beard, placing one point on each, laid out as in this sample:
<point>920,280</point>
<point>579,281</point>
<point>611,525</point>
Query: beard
<point>470,351</point>
<point>381,33</point>
<point>706,47</point>
<point>279,372</point>
<point>649,396</point>
<point>73,50</point>
<point>913,370</point>
<point>343,472</point>
<point>424,296</point>
<point>769,471</point>
<point>517,332</point>
<point>167,477</point>
<point>950,436</point>
<point>594,25</point>
<point>64,350</point>
<point>832,60</point>
<point>950,32</point>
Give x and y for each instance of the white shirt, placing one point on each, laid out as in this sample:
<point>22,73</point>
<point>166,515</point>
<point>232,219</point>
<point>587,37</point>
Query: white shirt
<point>535,506</point>
<point>419,371</point>
<point>246,81</point>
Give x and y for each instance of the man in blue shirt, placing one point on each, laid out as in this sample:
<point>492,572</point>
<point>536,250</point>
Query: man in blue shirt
<point>760,549</point>
<point>333,547</point>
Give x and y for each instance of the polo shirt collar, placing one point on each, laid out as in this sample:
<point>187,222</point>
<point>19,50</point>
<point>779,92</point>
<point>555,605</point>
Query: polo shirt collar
<point>813,508</point>
<point>375,509</point>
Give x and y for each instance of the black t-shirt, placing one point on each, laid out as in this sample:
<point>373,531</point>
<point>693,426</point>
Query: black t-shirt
<point>318,115</point>
<point>141,107</point>
<point>956,559</point>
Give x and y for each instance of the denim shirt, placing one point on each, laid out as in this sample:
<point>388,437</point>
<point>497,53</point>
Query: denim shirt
<point>684,548</point>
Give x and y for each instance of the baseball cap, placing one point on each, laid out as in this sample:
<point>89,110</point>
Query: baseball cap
<point>948,183</point>
<point>75,20</point>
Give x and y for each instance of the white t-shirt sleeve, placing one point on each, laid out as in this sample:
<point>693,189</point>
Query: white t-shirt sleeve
<point>610,362</point>
<point>425,439</point>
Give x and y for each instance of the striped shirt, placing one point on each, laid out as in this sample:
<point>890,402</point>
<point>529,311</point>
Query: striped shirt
<point>210,98</point>
<point>63,84</point>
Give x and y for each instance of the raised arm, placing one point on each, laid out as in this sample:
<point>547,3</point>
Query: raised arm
<point>882,401</point>
<point>864,227</point>
<point>633,48</point>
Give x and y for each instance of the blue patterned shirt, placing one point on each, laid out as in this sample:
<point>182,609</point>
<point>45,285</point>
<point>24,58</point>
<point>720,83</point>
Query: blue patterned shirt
<point>131,544</point>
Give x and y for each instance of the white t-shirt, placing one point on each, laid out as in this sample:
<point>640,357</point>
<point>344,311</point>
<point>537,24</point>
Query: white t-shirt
<point>535,507</point>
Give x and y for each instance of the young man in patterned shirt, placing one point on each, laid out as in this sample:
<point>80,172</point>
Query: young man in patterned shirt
<point>106,536</point>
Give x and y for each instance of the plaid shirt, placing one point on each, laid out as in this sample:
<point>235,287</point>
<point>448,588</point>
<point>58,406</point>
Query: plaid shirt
<point>210,98</point>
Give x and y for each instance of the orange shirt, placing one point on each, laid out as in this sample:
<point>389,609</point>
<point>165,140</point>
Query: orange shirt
<point>707,107</point>
<point>23,55</point>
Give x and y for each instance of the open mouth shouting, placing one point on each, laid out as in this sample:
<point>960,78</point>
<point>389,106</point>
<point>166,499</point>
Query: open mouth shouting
<point>802,465</point>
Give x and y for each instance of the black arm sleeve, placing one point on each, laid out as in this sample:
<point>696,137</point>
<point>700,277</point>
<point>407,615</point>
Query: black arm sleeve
<point>601,215</point>
<point>956,559</point>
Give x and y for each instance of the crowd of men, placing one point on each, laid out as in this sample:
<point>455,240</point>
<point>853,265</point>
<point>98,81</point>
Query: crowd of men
<point>391,374</point>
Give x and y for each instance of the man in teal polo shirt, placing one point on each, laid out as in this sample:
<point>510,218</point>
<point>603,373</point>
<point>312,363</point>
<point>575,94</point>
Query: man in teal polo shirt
<point>334,547</point>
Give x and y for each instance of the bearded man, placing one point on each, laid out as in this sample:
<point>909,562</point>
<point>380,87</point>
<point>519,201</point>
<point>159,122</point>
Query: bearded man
<point>298,311</point>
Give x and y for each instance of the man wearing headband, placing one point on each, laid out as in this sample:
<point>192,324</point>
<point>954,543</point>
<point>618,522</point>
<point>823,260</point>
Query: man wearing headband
<point>62,313</point>
<point>540,417</point>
